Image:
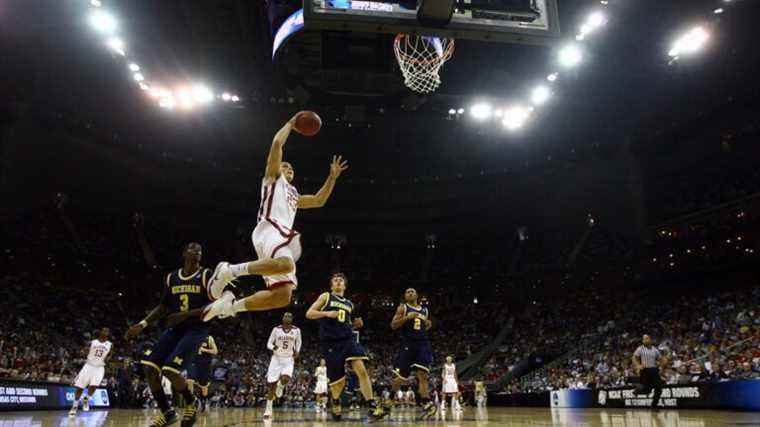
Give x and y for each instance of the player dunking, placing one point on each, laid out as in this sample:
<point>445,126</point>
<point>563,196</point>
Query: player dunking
<point>415,354</point>
<point>285,344</point>
<point>320,390</point>
<point>200,371</point>
<point>339,345</point>
<point>277,245</point>
<point>450,385</point>
<point>92,372</point>
<point>185,295</point>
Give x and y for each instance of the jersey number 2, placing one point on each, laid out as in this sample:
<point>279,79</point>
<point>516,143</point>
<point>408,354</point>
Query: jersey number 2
<point>184,300</point>
<point>417,323</point>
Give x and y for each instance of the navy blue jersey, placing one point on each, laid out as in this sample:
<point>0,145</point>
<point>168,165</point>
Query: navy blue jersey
<point>415,330</point>
<point>186,293</point>
<point>339,328</point>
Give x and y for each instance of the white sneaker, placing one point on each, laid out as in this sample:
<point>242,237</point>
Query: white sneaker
<point>278,391</point>
<point>220,308</point>
<point>86,405</point>
<point>219,280</point>
<point>73,411</point>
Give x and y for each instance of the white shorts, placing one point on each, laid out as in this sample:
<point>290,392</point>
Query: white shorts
<point>321,387</point>
<point>167,386</point>
<point>89,376</point>
<point>450,386</point>
<point>279,366</point>
<point>273,242</point>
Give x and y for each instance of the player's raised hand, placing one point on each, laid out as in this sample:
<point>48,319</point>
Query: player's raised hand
<point>337,166</point>
<point>133,331</point>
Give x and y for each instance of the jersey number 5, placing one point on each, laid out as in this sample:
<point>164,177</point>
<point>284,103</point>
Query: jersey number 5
<point>341,316</point>
<point>184,300</point>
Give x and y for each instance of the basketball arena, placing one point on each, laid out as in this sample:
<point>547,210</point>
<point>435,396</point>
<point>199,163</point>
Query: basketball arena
<point>392,212</point>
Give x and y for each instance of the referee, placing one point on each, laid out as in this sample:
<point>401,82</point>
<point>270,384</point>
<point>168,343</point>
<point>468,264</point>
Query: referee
<point>646,360</point>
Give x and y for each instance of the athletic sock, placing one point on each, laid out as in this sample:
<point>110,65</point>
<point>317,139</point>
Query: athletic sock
<point>239,269</point>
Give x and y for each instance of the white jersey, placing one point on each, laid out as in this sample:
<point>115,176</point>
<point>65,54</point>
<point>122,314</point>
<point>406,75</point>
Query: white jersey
<point>284,343</point>
<point>449,372</point>
<point>322,374</point>
<point>279,203</point>
<point>98,353</point>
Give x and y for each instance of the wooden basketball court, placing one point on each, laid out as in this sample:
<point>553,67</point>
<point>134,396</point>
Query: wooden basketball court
<point>491,416</point>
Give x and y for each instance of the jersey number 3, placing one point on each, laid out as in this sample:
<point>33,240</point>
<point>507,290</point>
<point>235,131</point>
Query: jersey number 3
<point>184,300</point>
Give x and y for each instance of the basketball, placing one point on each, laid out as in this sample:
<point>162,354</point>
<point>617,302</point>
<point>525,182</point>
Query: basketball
<point>308,123</point>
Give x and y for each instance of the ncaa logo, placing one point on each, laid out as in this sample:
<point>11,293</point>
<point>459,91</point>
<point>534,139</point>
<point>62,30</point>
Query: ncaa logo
<point>602,397</point>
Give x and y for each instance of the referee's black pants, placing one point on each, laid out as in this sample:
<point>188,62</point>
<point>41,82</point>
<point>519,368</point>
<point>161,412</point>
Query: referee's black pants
<point>650,380</point>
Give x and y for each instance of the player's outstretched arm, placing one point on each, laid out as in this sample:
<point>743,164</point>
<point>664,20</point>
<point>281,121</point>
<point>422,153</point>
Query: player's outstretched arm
<point>314,312</point>
<point>159,312</point>
<point>275,152</point>
<point>311,201</point>
<point>212,349</point>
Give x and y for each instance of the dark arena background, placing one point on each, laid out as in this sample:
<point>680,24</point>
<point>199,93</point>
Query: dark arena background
<point>555,180</point>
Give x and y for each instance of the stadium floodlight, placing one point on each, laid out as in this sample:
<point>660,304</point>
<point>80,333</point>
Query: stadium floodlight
<point>460,111</point>
<point>596,20</point>
<point>540,95</point>
<point>481,111</point>
<point>515,117</point>
<point>134,67</point>
<point>226,96</point>
<point>552,77</point>
<point>167,102</point>
<point>452,111</point>
<point>139,77</point>
<point>570,56</point>
<point>235,98</point>
<point>690,42</point>
<point>143,86</point>
<point>718,11</point>
<point>202,94</point>
<point>96,3</point>
<point>116,44</point>
<point>103,21</point>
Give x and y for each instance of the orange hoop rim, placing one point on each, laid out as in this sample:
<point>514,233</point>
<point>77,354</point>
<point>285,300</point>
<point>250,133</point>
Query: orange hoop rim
<point>402,56</point>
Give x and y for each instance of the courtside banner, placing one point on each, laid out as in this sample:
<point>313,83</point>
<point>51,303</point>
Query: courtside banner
<point>28,395</point>
<point>741,395</point>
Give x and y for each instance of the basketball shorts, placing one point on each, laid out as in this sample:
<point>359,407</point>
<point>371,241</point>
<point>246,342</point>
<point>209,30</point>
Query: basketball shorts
<point>278,367</point>
<point>337,353</point>
<point>175,350</point>
<point>200,371</point>
<point>413,355</point>
<point>450,386</point>
<point>270,242</point>
<point>321,387</point>
<point>89,375</point>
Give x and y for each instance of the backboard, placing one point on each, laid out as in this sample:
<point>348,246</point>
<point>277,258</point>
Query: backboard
<point>510,21</point>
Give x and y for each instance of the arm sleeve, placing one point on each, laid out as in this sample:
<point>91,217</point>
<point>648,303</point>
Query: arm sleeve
<point>270,343</point>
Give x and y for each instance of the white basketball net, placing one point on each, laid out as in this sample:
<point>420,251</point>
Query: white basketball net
<point>421,59</point>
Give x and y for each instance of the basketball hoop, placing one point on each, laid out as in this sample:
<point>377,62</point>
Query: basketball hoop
<point>421,58</point>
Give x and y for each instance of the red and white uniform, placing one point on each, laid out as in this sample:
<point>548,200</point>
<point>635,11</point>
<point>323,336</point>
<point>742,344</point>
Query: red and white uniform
<point>93,371</point>
<point>450,379</point>
<point>321,387</point>
<point>274,236</point>
<point>284,344</point>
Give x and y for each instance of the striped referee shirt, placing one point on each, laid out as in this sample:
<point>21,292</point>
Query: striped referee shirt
<point>648,356</point>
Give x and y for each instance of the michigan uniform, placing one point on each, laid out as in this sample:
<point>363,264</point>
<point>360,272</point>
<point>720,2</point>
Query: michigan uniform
<point>179,345</point>
<point>338,342</point>
<point>200,370</point>
<point>416,352</point>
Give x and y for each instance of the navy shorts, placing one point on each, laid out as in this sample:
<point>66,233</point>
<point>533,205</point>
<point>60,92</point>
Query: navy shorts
<point>175,349</point>
<point>413,355</point>
<point>337,353</point>
<point>200,371</point>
